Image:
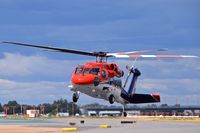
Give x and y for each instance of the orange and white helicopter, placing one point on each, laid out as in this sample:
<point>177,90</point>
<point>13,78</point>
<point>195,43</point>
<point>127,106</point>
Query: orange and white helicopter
<point>101,79</point>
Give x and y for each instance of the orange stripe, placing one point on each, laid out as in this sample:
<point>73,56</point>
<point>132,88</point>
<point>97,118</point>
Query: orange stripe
<point>135,56</point>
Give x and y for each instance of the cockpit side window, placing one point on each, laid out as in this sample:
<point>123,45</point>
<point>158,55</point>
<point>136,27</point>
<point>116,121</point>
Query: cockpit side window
<point>86,71</point>
<point>95,71</point>
<point>104,75</point>
<point>78,70</point>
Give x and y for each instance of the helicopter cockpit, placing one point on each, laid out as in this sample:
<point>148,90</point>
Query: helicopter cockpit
<point>86,74</point>
<point>84,71</point>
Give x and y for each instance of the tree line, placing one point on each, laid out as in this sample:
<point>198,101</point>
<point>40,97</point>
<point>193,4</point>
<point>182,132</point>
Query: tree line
<point>61,105</point>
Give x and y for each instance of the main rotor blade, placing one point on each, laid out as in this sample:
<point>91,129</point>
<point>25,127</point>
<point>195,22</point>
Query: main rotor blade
<point>54,48</point>
<point>136,52</point>
<point>133,54</point>
<point>153,56</point>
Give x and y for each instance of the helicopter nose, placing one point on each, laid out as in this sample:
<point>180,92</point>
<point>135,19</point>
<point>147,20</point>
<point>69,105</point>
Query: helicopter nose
<point>82,80</point>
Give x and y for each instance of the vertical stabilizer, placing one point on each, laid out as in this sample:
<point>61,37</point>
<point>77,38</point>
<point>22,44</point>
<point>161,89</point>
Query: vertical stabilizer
<point>136,74</point>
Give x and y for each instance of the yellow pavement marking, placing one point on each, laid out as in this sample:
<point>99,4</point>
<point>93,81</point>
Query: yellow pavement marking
<point>105,126</point>
<point>69,129</point>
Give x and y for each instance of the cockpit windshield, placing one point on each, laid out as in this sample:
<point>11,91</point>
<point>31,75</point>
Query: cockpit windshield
<point>86,71</point>
<point>95,71</point>
<point>79,70</point>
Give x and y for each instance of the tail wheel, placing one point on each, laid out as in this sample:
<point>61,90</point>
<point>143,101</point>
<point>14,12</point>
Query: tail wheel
<point>75,97</point>
<point>124,114</point>
<point>111,99</point>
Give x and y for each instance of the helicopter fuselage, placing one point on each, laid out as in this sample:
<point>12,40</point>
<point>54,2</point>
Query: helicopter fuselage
<point>98,80</point>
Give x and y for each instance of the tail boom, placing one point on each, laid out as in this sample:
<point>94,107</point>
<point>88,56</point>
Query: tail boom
<point>140,98</point>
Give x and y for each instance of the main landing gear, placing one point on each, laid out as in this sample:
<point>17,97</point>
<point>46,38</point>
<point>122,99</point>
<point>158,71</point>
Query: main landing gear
<point>75,97</point>
<point>111,99</point>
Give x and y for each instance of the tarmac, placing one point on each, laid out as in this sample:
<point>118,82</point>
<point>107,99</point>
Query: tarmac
<point>96,125</point>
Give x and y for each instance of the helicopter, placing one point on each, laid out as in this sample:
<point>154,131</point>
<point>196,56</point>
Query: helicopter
<point>100,79</point>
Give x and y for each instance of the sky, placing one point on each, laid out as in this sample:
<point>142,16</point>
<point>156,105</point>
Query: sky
<point>33,76</point>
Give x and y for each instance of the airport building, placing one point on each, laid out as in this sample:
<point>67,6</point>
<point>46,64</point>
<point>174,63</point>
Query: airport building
<point>189,111</point>
<point>33,113</point>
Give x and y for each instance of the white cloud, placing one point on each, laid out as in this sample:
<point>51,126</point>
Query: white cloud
<point>171,86</point>
<point>35,66</point>
<point>186,91</point>
<point>33,92</point>
<point>15,64</point>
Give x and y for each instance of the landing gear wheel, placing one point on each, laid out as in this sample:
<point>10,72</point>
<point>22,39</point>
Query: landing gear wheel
<point>111,99</point>
<point>124,114</point>
<point>96,81</point>
<point>75,97</point>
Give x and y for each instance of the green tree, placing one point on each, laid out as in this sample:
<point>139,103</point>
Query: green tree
<point>1,108</point>
<point>48,108</point>
<point>61,105</point>
<point>13,106</point>
<point>93,105</point>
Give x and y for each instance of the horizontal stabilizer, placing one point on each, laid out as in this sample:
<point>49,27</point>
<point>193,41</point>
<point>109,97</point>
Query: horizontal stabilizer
<point>140,98</point>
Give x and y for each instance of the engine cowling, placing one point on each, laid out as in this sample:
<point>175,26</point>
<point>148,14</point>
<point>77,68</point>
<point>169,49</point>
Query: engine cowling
<point>117,72</point>
<point>120,73</point>
<point>112,67</point>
